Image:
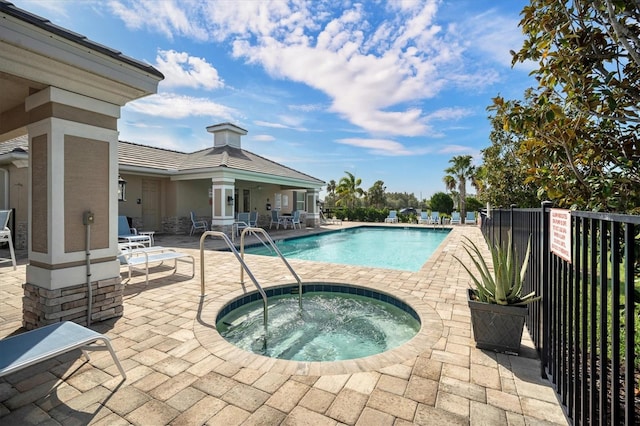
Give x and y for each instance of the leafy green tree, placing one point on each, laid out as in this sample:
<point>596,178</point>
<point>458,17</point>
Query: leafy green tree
<point>506,183</point>
<point>349,191</point>
<point>473,204</point>
<point>399,200</point>
<point>441,202</point>
<point>460,170</point>
<point>580,126</point>
<point>376,194</point>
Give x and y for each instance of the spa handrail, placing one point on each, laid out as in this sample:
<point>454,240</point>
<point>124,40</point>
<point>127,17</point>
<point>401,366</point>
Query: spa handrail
<point>242,264</point>
<point>273,245</point>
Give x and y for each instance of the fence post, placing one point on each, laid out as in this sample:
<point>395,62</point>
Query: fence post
<point>544,276</point>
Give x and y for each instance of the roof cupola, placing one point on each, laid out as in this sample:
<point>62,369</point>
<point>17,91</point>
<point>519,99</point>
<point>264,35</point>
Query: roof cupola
<point>226,134</point>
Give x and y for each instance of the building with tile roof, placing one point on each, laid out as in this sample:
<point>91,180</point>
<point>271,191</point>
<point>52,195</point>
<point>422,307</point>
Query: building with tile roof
<point>163,186</point>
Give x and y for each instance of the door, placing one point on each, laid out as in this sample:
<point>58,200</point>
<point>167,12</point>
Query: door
<point>150,205</point>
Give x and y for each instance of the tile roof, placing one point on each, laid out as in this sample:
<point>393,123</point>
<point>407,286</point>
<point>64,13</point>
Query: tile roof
<point>233,158</point>
<point>163,160</point>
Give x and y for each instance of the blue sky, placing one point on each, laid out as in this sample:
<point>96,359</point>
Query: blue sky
<point>384,90</point>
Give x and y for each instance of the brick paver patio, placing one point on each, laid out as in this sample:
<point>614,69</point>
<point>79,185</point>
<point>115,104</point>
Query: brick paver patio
<point>180,372</point>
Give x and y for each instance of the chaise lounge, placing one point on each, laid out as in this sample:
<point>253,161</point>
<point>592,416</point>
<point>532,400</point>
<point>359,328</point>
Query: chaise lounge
<point>32,347</point>
<point>139,259</point>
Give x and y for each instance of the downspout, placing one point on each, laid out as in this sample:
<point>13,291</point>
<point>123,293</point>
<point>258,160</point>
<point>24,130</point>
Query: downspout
<point>87,219</point>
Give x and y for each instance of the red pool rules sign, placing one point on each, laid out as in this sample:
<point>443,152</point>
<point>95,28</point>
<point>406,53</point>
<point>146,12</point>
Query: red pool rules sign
<point>560,233</point>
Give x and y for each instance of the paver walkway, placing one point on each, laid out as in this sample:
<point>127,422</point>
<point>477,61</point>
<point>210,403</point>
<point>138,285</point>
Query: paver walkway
<point>179,373</point>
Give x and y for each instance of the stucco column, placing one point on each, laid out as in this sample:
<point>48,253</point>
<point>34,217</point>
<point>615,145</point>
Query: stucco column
<point>222,203</point>
<point>73,161</point>
<point>313,213</point>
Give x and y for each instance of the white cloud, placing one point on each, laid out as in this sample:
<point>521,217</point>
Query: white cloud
<point>169,105</point>
<point>263,138</point>
<point>307,107</point>
<point>270,124</point>
<point>380,146</point>
<point>182,70</point>
<point>376,68</point>
<point>168,17</point>
<point>450,114</point>
<point>455,149</point>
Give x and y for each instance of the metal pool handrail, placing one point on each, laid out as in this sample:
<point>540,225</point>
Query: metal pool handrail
<point>273,245</point>
<point>242,263</point>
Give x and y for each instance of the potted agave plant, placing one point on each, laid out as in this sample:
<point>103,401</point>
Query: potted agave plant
<point>498,308</point>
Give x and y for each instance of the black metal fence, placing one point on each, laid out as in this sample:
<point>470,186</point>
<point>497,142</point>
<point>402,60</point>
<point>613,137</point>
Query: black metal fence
<point>585,326</point>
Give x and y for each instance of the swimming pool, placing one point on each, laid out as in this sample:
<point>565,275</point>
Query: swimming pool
<point>405,249</point>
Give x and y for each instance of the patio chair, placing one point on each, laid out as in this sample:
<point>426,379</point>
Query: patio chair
<point>125,232</point>
<point>393,217</point>
<point>5,237</point>
<point>198,224</point>
<point>471,218</point>
<point>435,218</point>
<point>455,218</point>
<point>253,219</point>
<point>32,347</point>
<point>424,218</point>
<point>296,219</point>
<point>241,222</point>
<point>277,219</point>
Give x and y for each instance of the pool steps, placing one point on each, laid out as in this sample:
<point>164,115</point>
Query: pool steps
<point>243,265</point>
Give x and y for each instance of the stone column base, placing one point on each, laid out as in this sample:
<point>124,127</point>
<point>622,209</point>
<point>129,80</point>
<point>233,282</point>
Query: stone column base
<point>42,307</point>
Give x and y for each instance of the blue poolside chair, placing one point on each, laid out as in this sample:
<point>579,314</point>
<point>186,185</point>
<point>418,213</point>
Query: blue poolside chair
<point>295,219</point>
<point>125,232</point>
<point>253,219</point>
<point>35,346</point>
<point>455,218</point>
<point>277,219</point>
<point>424,217</point>
<point>242,222</point>
<point>393,217</point>
<point>471,218</point>
<point>435,218</point>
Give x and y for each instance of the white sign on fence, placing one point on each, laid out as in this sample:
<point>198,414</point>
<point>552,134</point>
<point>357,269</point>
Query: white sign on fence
<point>560,233</point>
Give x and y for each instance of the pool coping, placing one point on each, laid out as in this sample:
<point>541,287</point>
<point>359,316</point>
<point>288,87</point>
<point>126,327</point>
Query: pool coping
<point>431,328</point>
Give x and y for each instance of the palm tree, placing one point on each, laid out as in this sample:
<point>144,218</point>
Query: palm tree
<point>331,188</point>
<point>450,184</point>
<point>349,190</point>
<point>460,171</point>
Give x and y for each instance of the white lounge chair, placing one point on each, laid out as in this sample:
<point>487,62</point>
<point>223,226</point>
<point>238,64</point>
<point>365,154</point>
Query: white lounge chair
<point>5,237</point>
<point>455,218</point>
<point>393,217</point>
<point>32,347</point>
<point>332,221</point>
<point>196,224</point>
<point>140,259</point>
<point>471,218</point>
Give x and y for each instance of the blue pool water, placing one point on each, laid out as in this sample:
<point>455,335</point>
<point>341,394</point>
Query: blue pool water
<point>405,249</point>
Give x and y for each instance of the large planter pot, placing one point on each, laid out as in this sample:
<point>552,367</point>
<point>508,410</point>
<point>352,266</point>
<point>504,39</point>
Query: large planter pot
<point>496,327</point>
